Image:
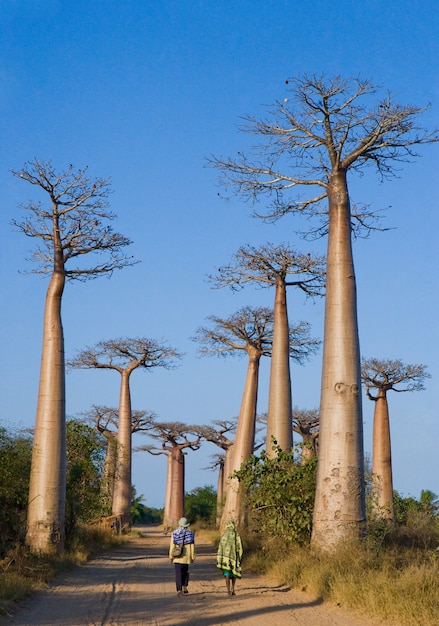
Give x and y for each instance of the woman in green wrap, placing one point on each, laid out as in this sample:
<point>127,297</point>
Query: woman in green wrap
<point>229,556</point>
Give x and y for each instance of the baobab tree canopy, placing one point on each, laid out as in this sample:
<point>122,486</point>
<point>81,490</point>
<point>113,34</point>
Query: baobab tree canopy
<point>270,263</point>
<point>122,353</point>
<point>326,125</point>
<point>391,374</point>
<point>78,209</point>
<point>233,335</point>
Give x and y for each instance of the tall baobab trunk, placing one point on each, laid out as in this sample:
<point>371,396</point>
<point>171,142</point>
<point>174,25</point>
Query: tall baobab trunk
<point>220,493</point>
<point>279,424</point>
<point>177,486</point>
<point>47,490</point>
<point>244,440</point>
<point>167,523</point>
<point>223,481</point>
<point>382,480</point>
<point>339,505</point>
<point>109,470</point>
<point>122,482</point>
<point>308,449</point>
<point>228,464</point>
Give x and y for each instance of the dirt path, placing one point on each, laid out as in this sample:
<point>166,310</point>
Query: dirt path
<point>134,585</point>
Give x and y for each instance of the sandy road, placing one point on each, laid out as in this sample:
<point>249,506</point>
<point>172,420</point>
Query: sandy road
<point>134,585</point>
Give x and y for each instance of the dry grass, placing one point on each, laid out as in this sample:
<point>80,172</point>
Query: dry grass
<point>21,573</point>
<point>209,535</point>
<point>400,588</point>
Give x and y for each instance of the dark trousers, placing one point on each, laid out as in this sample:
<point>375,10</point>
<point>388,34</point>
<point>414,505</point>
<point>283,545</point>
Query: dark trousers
<point>181,575</point>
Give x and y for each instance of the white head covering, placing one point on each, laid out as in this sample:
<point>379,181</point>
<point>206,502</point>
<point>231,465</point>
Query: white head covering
<point>183,522</point>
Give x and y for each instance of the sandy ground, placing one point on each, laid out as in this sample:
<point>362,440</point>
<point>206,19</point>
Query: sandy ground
<point>134,585</point>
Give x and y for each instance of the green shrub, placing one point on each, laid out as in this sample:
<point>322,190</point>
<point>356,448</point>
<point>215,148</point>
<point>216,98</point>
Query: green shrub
<point>279,494</point>
<point>200,504</point>
<point>15,462</point>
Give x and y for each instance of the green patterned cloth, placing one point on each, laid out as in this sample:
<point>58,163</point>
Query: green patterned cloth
<point>229,553</point>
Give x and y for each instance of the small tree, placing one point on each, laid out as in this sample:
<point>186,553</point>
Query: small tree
<point>125,356</point>
<point>72,227</point>
<point>280,267</point>
<point>383,376</point>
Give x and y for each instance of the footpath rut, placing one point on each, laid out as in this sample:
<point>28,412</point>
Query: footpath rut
<point>133,585</point>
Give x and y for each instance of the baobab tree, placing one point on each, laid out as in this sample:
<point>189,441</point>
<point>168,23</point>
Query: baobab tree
<point>218,464</point>
<point>76,242</point>
<point>125,355</point>
<point>383,376</point>
<point>105,420</point>
<point>279,266</point>
<point>250,330</point>
<point>175,438</point>
<point>312,138</point>
<point>306,424</point>
<point>216,434</point>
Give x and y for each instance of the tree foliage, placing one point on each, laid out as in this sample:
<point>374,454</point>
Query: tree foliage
<point>248,327</point>
<point>306,423</point>
<point>142,514</point>
<point>408,509</point>
<point>200,504</point>
<point>85,458</point>
<point>279,493</point>
<point>15,463</point>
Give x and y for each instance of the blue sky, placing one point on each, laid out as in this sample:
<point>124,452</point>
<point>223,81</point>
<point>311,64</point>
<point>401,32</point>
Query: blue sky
<point>142,92</point>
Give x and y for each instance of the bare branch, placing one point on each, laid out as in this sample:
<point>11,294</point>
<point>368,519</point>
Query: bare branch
<point>106,419</point>
<point>325,125</point>
<point>176,435</point>
<point>270,264</point>
<point>393,375</point>
<point>249,328</point>
<point>75,222</point>
<point>126,354</point>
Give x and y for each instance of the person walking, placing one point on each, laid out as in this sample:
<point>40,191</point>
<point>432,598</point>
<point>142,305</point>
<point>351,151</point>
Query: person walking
<point>182,556</point>
<point>229,556</point>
